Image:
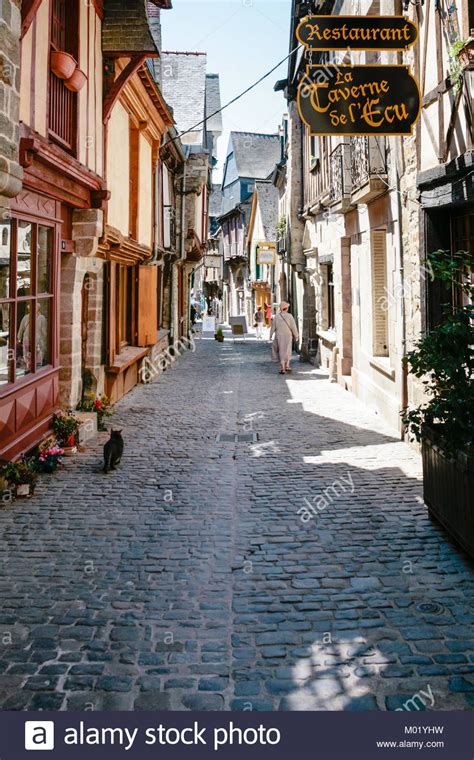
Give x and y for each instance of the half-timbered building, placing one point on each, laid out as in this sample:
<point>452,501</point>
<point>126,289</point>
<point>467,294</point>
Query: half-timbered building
<point>51,235</point>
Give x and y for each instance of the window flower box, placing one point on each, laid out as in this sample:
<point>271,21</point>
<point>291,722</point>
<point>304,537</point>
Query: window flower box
<point>76,82</point>
<point>63,65</point>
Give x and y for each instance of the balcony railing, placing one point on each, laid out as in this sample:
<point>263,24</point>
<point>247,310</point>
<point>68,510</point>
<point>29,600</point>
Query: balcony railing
<point>234,250</point>
<point>368,167</point>
<point>284,244</point>
<point>340,168</point>
<point>368,159</point>
<point>62,113</point>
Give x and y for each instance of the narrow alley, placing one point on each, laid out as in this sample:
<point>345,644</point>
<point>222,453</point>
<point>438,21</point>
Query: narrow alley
<point>263,546</point>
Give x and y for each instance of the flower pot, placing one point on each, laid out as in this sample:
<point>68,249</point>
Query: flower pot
<point>23,490</point>
<point>448,490</point>
<point>69,451</point>
<point>77,81</point>
<point>62,64</point>
<point>466,55</point>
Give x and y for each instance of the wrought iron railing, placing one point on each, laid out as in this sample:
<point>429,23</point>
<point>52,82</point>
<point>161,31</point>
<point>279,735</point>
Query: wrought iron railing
<point>340,168</point>
<point>368,159</point>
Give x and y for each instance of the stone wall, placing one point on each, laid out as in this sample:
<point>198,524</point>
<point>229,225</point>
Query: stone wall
<point>295,225</point>
<point>82,281</point>
<point>11,174</point>
<point>414,270</point>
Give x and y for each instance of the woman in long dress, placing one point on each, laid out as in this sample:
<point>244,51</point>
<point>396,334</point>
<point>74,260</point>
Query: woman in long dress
<point>283,332</point>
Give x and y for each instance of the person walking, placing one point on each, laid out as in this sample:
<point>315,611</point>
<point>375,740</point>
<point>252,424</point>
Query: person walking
<point>268,314</point>
<point>258,322</point>
<point>283,332</point>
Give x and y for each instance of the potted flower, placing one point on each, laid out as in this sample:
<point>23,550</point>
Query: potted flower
<point>444,422</point>
<point>466,52</point>
<point>99,405</point>
<point>76,82</point>
<point>219,335</point>
<point>20,476</point>
<point>49,457</point>
<point>63,65</point>
<point>66,430</point>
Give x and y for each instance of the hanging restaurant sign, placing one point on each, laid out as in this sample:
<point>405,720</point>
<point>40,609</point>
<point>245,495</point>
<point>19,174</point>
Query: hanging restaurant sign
<point>266,253</point>
<point>356,32</point>
<point>359,100</point>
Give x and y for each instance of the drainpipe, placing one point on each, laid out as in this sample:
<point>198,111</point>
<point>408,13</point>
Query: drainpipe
<point>401,269</point>
<point>155,227</point>
<point>401,263</point>
<point>183,204</point>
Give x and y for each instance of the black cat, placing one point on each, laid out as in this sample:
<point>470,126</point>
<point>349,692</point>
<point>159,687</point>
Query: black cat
<point>113,450</point>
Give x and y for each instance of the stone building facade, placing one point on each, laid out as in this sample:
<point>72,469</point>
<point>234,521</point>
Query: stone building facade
<point>371,208</point>
<point>11,173</point>
<point>89,237</point>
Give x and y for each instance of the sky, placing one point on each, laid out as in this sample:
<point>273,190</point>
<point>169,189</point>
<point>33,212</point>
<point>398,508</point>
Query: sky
<point>243,39</point>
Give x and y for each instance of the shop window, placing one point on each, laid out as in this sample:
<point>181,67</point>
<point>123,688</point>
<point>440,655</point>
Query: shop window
<point>379,293</point>
<point>26,300</point>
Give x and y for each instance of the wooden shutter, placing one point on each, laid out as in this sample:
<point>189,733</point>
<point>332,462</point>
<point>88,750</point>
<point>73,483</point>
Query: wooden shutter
<point>147,305</point>
<point>379,293</point>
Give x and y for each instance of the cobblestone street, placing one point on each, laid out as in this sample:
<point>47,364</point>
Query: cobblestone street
<point>298,571</point>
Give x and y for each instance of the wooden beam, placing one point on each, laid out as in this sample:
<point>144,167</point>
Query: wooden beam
<point>434,94</point>
<point>137,60</point>
<point>134,182</point>
<point>29,9</point>
<point>99,8</point>
<point>439,58</point>
<point>452,124</point>
<point>425,50</point>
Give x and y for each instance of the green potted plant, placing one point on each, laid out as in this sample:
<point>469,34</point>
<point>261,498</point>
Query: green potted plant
<point>66,430</point>
<point>444,423</point>
<point>20,476</point>
<point>219,335</point>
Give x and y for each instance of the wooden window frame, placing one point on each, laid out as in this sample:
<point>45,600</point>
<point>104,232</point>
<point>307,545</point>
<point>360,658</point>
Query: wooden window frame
<point>126,305</point>
<point>134,136</point>
<point>13,301</point>
<point>330,300</point>
<point>69,101</point>
<point>314,156</point>
<point>458,244</point>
